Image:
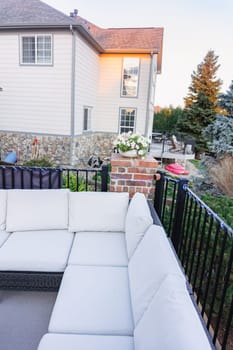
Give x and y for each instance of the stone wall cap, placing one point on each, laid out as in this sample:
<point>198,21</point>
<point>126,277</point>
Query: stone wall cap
<point>147,161</point>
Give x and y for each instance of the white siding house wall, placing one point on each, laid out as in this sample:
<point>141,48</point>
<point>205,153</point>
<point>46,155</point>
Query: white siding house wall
<point>109,93</point>
<point>86,83</point>
<point>35,98</point>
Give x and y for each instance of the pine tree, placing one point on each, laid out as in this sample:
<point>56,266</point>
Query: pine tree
<point>204,80</point>
<point>220,133</point>
<point>200,103</point>
<point>197,117</point>
<point>225,102</point>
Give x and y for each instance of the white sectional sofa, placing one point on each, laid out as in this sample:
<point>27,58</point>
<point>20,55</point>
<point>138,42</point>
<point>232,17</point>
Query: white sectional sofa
<point>122,287</point>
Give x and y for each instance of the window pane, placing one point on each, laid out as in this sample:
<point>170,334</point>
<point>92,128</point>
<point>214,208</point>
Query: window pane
<point>37,49</point>
<point>127,119</point>
<point>44,49</point>
<point>130,77</point>
<point>86,119</point>
<point>28,49</point>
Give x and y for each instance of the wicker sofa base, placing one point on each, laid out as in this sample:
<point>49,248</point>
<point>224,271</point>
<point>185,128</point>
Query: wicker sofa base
<point>30,281</point>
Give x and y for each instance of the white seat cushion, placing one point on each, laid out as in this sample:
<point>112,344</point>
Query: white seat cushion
<point>171,320</point>
<point>93,300</point>
<point>138,219</point>
<point>37,210</point>
<point>36,251</point>
<point>3,237</point>
<point>54,341</point>
<point>97,211</point>
<point>99,248</point>
<point>3,203</point>
<point>151,262</point>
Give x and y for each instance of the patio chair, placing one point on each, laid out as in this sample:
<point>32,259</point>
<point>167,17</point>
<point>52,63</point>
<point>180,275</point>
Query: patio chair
<point>176,146</point>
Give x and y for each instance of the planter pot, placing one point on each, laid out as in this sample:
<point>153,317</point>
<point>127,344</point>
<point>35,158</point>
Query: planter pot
<point>129,154</point>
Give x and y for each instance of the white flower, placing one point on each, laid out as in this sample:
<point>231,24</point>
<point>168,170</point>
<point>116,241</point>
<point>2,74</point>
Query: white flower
<point>132,141</point>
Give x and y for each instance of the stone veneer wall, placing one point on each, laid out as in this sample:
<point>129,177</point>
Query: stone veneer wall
<point>54,148</point>
<point>133,175</point>
<point>60,150</point>
<point>88,144</point>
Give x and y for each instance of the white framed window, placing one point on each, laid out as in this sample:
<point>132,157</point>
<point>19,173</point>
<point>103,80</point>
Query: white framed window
<point>127,120</point>
<point>87,118</point>
<point>130,77</point>
<point>36,49</point>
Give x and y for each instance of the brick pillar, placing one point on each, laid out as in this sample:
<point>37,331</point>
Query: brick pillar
<point>133,175</point>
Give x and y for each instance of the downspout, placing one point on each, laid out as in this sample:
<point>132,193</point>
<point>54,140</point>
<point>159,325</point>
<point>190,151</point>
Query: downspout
<point>72,100</point>
<point>149,97</point>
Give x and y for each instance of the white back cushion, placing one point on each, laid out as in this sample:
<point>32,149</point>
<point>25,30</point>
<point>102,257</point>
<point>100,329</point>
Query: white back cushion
<point>97,211</point>
<point>138,219</point>
<point>151,262</point>
<point>3,200</point>
<point>171,321</point>
<point>37,210</point>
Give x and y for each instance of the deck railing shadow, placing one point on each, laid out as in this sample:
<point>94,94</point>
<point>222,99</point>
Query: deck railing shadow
<point>20,177</point>
<point>204,245</point>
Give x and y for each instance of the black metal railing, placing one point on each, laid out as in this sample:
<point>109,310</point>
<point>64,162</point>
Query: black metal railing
<point>204,245</point>
<point>19,177</point>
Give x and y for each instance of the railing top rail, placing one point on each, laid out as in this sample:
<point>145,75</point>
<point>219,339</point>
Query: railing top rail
<point>210,212</point>
<point>169,178</point>
<point>49,168</point>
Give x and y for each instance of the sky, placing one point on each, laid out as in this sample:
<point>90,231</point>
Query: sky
<point>191,29</point>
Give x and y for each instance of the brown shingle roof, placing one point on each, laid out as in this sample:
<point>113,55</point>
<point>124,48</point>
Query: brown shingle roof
<point>148,39</point>
<point>130,40</point>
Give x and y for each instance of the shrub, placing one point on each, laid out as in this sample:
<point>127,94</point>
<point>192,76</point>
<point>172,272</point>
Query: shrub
<point>42,162</point>
<point>221,205</point>
<point>221,174</point>
<point>220,134</point>
<point>74,182</point>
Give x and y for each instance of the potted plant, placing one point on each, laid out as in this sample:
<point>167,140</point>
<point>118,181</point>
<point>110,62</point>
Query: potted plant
<point>132,144</point>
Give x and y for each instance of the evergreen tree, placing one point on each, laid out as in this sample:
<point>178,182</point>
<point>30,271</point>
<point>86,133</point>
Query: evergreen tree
<point>220,133</point>
<point>225,102</point>
<point>200,103</point>
<point>197,117</point>
<point>166,119</point>
<point>204,80</point>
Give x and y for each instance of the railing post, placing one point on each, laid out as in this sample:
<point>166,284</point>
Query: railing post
<point>159,189</point>
<point>104,178</point>
<point>179,213</point>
